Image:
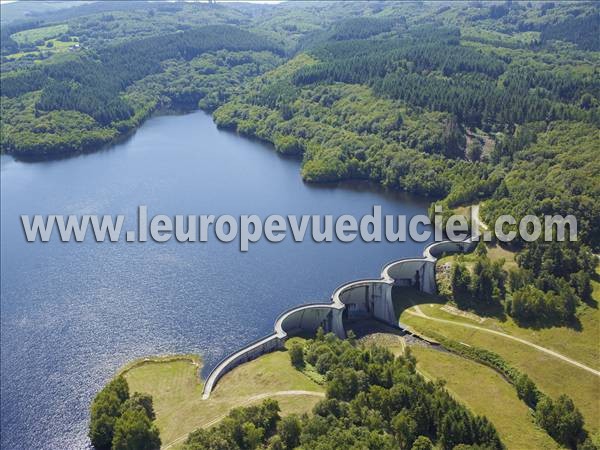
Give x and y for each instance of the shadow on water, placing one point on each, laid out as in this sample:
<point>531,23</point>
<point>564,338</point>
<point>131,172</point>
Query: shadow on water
<point>366,186</point>
<point>355,185</point>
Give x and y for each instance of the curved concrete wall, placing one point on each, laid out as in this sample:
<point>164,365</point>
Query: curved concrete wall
<point>308,318</point>
<point>362,298</point>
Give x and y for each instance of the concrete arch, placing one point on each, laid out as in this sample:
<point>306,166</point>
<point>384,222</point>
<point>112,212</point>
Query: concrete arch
<point>438,249</point>
<point>367,298</point>
<point>417,272</point>
<point>308,318</point>
<point>370,298</point>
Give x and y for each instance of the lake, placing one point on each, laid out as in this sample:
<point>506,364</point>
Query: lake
<point>73,313</point>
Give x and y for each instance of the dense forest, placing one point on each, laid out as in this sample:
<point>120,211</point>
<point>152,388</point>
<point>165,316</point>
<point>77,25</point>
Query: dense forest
<point>90,87</point>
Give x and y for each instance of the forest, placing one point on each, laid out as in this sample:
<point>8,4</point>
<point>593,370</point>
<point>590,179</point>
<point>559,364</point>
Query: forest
<point>92,84</point>
<point>495,104</point>
<point>550,281</point>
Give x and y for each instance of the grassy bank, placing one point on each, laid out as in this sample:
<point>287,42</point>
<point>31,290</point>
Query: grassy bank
<point>552,375</point>
<point>579,340</point>
<point>483,390</point>
<point>477,386</point>
<point>176,389</point>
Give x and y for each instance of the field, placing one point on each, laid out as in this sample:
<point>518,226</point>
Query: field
<point>493,397</point>
<point>495,252</point>
<point>579,341</point>
<point>176,390</point>
<point>42,33</point>
<point>513,420</point>
<point>57,47</point>
<point>552,374</point>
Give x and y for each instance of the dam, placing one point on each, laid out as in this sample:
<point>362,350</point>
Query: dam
<point>368,299</point>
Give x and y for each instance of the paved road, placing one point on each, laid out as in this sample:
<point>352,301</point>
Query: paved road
<point>418,312</point>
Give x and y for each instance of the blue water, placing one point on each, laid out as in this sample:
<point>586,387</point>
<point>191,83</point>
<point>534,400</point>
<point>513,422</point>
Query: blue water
<point>73,313</point>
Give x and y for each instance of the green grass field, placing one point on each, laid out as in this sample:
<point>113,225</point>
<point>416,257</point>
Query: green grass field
<point>45,33</point>
<point>513,419</point>
<point>177,391</point>
<point>486,393</point>
<point>552,375</point>
<point>58,47</point>
<point>579,343</point>
<point>495,253</point>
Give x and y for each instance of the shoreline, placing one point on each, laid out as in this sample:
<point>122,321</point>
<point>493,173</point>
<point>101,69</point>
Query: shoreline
<point>28,156</point>
<point>32,157</point>
<point>195,359</point>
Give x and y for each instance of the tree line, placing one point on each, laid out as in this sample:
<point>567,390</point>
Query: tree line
<point>551,280</point>
<point>92,84</point>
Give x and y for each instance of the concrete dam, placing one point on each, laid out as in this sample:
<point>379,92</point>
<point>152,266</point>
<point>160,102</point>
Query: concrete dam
<point>369,298</point>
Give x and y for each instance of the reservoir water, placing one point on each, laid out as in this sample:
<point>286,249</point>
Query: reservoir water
<point>73,313</point>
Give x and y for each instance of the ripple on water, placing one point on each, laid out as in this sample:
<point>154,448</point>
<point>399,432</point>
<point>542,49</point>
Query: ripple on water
<point>72,314</point>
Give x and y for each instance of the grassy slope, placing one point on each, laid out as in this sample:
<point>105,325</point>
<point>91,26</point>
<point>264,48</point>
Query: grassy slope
<point>495,252</point>
<point>36,34</point>
<point>494,397</point>
<point>513,420</point>
<point>553,376</point>
<point>177,391</point>
<point>580,344</point>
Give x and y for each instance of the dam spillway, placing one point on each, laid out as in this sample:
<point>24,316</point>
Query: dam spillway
<point>369,298</point>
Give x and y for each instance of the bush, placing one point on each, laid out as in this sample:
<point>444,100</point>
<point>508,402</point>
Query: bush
<point>142,402</point>
<point>527,390</point>
<point>561,420</point>
<point>289,430</point>
<point>422,443</point>
<point>297,355</point>
<point>288,145</point>
<point>134,430</point>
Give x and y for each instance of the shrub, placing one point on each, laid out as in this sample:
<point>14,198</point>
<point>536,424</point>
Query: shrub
<point>297,355</point>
